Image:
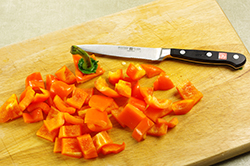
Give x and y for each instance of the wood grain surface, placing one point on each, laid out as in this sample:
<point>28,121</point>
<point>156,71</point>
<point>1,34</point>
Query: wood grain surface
<point>217,128</point>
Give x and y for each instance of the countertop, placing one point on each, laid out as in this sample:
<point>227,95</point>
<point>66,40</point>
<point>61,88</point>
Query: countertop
<point>22,20</point>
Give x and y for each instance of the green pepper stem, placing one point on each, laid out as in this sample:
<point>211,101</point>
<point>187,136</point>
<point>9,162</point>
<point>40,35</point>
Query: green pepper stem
<point>88,63</point>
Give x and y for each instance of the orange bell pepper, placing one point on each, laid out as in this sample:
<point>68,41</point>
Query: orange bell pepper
<point>73,119</point>
<point>154,113</point>
<point>78,98</point>
<point>52,113</point>
<point>111,107</point>
<point>135,72</point>
<point>140,104</point>
<point>49,80</point>
<point>10,109</point>
<point>97,120</point>
<point>141,129</point>
<point>28,96</point>
<point>40,97</point>
<point>123,88</point>
<point>70,147</point>
<point>151,70</point>
<point>188,91</point>
<point>163,82</point>
<point>114,77</point>
<point>61,89</point>
<point>100,139</point>
<point>159,129</point>
<point>90,92</point>
<point>54,122</point>
<point>183,106</point>
<point>57,145</point>
<point>35,81</point>
<point>113,148</point>
<point>146,91</point>
<point>136,91</point>
<point>34,116</point>
<point>42,105</point>
<point>102,86</point>
<point>87,146</point>
<point>68,131</point>
<point>131,116</point>
<point>62,106</point>
<point>100,102</point>
<point>153,102</point>
<point>173,122</point>
<point>65,75</point>
<point>43,132</point>
<point>115,113</point>
<point>80,77</point>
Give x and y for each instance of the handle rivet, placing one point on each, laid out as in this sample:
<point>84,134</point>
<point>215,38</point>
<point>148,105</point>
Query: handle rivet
<point>236,56</point>
<point>209,54</point>
<point>182,52</point>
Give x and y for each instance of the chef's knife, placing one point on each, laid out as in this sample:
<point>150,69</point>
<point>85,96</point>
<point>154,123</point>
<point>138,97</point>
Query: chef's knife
<point>235,60</point>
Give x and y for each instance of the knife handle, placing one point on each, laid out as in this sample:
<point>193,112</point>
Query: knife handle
<point>234,60</point>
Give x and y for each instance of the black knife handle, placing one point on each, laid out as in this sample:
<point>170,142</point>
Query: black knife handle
<point>234,60</point>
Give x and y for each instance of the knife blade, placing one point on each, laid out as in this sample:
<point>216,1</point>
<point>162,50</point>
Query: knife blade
<point>235,60</point>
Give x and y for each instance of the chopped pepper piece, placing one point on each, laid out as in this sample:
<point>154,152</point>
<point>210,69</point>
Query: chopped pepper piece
<point>41,95</point>
<point>100,139</point>
<point>131,116</point>
<point>114,77</point>
<point>123,88</point>
<point>97,120</point>
<point>156,103</point>
<point>188,91</point>
<point>62,106</point>
<point>34,116</point>
<point>70,147</point>
<point>113,148</point>
<point>100,102</point>
<point>10,109</point>
<point>135,72</point>
<point>78,98</point>
<point>68,131</point>
<point>43,132</point>
<point>65,75</point>
<point>163,82</point>
<point>151,70</point>
<point>87,146</point>
<point>183,106</point>
<point>28,96</point>
<point>141,129</point>
<point>35,81</point>
<point>102,86</point>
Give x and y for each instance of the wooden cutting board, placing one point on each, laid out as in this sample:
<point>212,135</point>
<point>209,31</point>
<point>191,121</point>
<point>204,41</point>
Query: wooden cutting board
<point>217,128</point>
